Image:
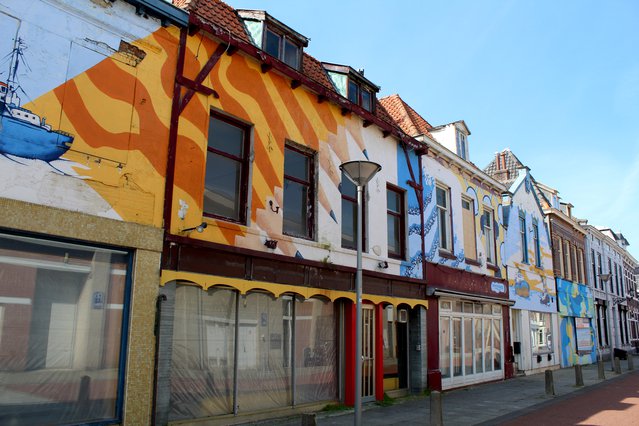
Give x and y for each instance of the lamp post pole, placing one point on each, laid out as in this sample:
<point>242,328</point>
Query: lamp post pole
<point>358,315</point>
<point>359,172</point>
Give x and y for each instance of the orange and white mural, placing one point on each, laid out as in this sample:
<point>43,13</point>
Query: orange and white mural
<point>275,114</point>
<point>85,107</point>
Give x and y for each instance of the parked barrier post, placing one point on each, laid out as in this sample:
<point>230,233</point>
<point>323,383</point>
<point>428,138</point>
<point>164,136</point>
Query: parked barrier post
<point>550,384</point>
<point>600,367</point>
<point>579,376</point>
<point>630,362</point>
<point>436,410</point>
<point>309,419</point>
<point>617,365</point>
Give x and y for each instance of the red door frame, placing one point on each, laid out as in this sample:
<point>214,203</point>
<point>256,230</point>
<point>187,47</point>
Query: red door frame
<point>349,349</point>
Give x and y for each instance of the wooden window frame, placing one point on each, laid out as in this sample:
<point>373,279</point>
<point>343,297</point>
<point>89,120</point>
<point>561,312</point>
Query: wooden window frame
<point>537,243</point>
<point>491,244</point>
<point>523,236</point>
<point>244,162</point>
<point>282,46</point>
<point>401,216</point>
<point>360,88</point>
<point>310,184</point>
<point>354,202</point>
<point>471,203</point>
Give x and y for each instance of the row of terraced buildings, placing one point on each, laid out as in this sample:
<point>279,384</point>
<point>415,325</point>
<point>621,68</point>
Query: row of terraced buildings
<point>177,239</point>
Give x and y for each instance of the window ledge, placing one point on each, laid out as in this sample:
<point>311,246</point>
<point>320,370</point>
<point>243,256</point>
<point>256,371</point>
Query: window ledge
<point>447,254</point>
<point>472,262</point>
<point>492,267</point>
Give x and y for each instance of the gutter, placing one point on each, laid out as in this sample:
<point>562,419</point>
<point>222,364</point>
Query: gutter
<point>323,93</point>
<point>163,10</point>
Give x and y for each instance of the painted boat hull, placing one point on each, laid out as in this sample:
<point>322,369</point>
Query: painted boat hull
<point>27,140</point>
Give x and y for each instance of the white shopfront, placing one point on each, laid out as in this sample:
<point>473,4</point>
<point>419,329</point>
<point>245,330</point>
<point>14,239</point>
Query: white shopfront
<point>471,337</point>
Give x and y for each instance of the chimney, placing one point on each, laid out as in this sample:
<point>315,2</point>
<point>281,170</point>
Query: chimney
<point>501,171</point>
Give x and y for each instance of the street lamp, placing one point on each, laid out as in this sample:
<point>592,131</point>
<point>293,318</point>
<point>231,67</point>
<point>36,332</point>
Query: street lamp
<point>360,173</point>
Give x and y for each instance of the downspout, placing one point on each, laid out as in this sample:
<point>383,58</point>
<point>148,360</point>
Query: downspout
<point>156,332</point>
<point>168,202</point>
<point>421,209</point>
<point>173,134</point>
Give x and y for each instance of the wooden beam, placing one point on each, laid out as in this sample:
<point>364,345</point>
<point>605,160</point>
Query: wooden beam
<point>265,68</point>
<point>345,110</point>
<point>204,72</point>
<point>200,88</point>
<point>386,133</point>
<point>367,123</point>
<point>295,84</point>
<point>321,98</point>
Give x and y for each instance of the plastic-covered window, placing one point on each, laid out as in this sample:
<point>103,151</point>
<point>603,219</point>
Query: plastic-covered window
<point>64,309</point>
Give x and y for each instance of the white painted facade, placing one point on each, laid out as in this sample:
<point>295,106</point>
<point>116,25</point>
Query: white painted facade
<point>605,256</point>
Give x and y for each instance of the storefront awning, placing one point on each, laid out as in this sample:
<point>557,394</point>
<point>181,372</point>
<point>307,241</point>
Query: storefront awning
<point>479,298</point>
<point>244,286</point>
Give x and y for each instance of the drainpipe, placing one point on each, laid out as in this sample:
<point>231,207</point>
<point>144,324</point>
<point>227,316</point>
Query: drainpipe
<point>420,201</point>
<point>168,202</point>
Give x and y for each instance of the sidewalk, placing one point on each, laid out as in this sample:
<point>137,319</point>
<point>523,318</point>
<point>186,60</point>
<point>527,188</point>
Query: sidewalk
<point>487,403</point>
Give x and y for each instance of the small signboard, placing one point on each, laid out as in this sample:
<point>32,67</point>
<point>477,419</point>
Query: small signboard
<point>584,335</point>
<point>497,287</point>
<point>98,300</point>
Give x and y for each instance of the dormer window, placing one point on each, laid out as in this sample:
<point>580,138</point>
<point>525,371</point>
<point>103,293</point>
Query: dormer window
<point>360,95</point>
<point>283,48</point>
<point>273,37</point>
<point>461,144</point>
<point>352,85</point>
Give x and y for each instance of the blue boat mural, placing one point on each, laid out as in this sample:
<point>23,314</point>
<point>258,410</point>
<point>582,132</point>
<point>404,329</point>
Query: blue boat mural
<point>22,132</point>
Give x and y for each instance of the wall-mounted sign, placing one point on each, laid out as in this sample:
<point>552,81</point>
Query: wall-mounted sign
<point>98,300</point>
<point>497,287</point>
<point>584,335</point>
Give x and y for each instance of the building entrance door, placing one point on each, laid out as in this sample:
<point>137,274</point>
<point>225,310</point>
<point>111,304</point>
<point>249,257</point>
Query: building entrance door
<point>368,353</point>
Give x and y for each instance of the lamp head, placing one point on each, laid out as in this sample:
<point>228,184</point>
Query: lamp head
<point>360,172</point>
<point>200,228</point>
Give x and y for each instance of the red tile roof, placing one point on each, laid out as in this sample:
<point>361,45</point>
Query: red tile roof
<point>406,117</point>
<point>217,13</point>
<point>313,68</point>
<point>226,21</point>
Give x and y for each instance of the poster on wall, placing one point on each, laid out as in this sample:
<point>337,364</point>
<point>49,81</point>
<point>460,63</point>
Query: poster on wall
<point>584,335</point>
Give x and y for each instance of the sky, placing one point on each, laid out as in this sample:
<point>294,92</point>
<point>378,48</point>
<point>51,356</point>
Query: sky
<point>557,82</point>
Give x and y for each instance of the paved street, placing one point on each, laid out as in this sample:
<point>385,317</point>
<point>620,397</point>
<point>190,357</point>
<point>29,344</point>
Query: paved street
<point>521,400</point>
<point>613,403</point>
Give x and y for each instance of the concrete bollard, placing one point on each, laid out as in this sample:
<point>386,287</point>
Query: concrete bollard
<point>436,409</point>
<point>617,365</point>
<point>84,393</point>
<point>600,367</point>
<point>630,362</point>
<point>550,383</point>
<point>579,376</point>
<point>308,419</point>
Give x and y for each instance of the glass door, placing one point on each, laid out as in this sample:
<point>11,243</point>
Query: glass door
<point>368,353</point>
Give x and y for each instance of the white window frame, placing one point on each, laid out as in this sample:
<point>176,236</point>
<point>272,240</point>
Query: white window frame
<point>523,237</point>
<point>489,235</point>
<point>446,210</point>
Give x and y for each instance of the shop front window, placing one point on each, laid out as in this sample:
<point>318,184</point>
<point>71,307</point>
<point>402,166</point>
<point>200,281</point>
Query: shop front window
<point>541,332</point>
<point>444,345</point>
<point>64,320</point>
<point>470,341</point>
<point>285,350</point>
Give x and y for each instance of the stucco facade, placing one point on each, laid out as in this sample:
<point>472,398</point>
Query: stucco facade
<point>85,122</point>
<point>528,258</point>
